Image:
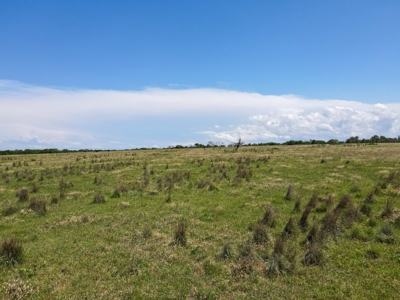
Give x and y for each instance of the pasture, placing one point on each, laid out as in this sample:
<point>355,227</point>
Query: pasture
<point>266,222</point>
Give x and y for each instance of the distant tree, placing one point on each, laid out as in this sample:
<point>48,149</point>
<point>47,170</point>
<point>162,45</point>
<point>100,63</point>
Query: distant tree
<point>210,144</point>
<point>375,139</point>
<point>333,141</point>
<point>238,143</point>
<point>353,139</point>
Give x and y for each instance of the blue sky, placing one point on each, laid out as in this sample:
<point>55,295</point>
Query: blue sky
<point>167,72</point>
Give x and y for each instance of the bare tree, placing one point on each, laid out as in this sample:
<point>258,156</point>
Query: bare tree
<point>239,143</point>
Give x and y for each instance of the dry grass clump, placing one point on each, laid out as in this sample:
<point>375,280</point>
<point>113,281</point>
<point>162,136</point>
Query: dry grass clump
<point>269,216</point>
<point>290,193</point>
<point>226,252</point>
<point>312,203</point>
<point>38,205</point>
<point>277,263</point>
<point>290,228</point>
<point>388,210</point>
<point>313,255</point>
<point>23,195</point>
<point>11,250</point>
<point>147,232</point>
<point>260,234</point>
<point>99,198</point>
<point>18,289</point>
<point>180,238</point>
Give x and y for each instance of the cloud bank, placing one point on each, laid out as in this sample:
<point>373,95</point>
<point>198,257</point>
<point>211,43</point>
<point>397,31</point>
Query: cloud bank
<point>40,117</point>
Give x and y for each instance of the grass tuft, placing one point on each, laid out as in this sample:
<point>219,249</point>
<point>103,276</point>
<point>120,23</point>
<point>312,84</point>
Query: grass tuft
<point>99,198</point>
<point>180,233</point>
<point>11,250</point>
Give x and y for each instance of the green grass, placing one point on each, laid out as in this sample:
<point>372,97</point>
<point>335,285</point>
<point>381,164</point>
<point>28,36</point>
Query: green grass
<point>181,223</point>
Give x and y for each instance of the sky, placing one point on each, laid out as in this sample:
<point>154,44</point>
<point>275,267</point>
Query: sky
<point>130,74</point>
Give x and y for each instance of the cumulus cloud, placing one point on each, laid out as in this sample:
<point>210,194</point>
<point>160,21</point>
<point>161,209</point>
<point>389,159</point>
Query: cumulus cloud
<point>320,123</point>
<point>55,117</point>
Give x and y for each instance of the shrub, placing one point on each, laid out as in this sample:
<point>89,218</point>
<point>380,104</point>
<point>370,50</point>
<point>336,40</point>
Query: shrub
<point>38,205</point>
<point>180,233</point>
<point>99,198</point>
<point>11,250</point>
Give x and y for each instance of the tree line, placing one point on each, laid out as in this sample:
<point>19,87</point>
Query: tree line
<point>351,140</point>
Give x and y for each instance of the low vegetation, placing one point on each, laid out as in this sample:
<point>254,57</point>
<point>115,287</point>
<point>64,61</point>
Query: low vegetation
<point>277,222</point>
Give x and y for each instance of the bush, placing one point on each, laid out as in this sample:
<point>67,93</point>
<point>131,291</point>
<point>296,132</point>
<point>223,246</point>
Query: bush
<point>11,250</point>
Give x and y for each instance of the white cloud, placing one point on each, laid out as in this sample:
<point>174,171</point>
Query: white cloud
<point>90,118</point>
<point>321,123</point>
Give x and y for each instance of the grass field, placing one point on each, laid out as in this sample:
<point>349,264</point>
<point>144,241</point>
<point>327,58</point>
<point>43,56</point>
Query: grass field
<point>277,222</point>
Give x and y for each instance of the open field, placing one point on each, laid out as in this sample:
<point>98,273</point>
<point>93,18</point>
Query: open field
<point>281,222</point>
